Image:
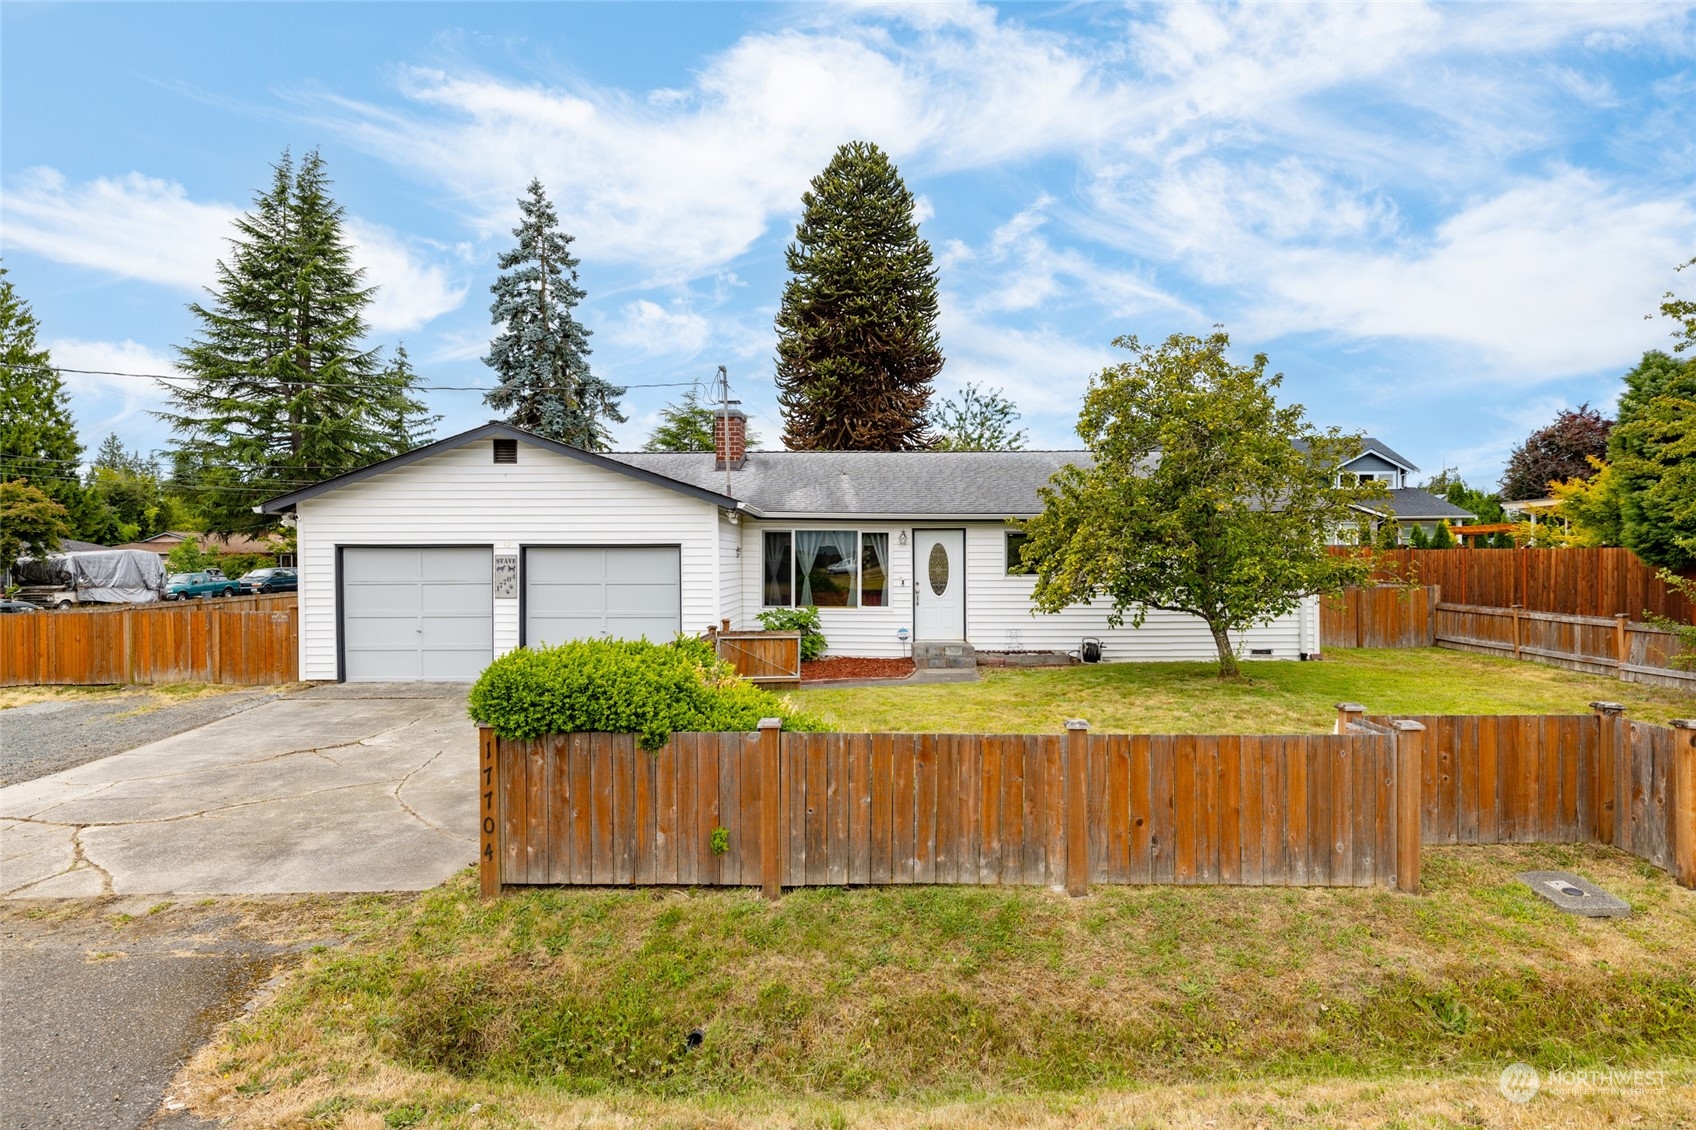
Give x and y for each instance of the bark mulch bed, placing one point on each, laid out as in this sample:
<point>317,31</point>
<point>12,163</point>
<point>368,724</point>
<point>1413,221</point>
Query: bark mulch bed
<point>849,667</point>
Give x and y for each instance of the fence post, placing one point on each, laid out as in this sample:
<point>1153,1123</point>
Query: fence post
<point>1077,807</point>
<point>1516,609</point>
<point>772,824</point>
<point>1410,753</point>
<point>488,814</point>
<point>1347,714</point>
<point>215,641</point>
<point>1622,640</point>
<point>1681,805</point>
<point>129,646</point>
<point>1610,774</point>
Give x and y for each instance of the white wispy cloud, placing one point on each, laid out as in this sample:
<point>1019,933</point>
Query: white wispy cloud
<point>650,328</point>
<point>106,401</point>
<point>146,228</point>
<point>1547,279</point>
<point>1219,142</point>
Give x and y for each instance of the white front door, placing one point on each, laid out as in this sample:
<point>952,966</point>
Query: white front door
<point>939,584</point>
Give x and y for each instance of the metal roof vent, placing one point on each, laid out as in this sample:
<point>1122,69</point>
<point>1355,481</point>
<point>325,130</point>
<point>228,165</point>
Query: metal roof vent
<point>506,451</point>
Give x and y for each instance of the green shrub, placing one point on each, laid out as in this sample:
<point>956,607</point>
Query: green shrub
<point>803,620</point>
<point>623,687</point>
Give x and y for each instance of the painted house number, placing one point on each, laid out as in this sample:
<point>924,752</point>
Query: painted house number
<point>506,576</point>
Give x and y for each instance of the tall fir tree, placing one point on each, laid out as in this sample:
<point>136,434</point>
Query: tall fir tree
<point>413,427</point>
<point>857,346</point>
<point>38,437</point>
<point>687,425</point>
<point>542,355</point>
<point>284,390</point>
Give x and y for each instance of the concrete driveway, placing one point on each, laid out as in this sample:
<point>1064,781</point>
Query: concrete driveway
<point>335,788</point>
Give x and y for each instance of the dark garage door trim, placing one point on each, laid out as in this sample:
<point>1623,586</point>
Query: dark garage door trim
<point>341,601</point>
<point>524,574</point>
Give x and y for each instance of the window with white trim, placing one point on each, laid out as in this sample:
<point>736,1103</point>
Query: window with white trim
<point>825,568</point>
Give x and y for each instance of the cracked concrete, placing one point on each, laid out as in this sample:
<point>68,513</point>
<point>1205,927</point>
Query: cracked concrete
<point>370,790</point>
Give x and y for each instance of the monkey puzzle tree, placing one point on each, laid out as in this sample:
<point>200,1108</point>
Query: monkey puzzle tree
<point>857,346</point>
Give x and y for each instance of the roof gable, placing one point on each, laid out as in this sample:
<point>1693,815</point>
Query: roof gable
<point>492,430</point>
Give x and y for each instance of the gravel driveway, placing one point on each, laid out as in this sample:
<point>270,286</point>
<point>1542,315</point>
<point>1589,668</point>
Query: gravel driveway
<point>46,737</point>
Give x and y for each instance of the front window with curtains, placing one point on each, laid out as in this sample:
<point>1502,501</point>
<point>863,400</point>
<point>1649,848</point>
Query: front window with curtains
<point>825,568</point>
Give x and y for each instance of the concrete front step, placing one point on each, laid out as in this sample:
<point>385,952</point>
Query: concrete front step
<point>930,655</point>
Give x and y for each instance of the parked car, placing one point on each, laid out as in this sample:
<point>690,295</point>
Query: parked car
<point>270,580</point>
<point>16,606</point>
<point>185,586</point>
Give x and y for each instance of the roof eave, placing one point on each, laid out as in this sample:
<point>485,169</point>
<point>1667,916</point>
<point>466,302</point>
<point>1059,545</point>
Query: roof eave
<point>286,502</point>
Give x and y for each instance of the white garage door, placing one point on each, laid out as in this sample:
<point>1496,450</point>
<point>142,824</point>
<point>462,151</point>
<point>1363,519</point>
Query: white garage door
<point>625,593</point>
<point>416,613</point>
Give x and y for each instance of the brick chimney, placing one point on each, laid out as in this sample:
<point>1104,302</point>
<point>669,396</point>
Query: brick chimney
<point>730,439</point>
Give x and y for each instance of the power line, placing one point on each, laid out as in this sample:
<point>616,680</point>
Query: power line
<point>323,383</point>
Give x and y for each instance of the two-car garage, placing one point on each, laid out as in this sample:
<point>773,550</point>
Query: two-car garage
<point>428,612</point>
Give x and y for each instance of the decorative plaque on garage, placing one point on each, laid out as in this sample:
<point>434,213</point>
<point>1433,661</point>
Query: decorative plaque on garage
<point>506,575</point>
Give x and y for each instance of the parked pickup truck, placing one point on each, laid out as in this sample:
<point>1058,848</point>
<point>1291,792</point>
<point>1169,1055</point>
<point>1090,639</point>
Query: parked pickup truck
<point>187,586</point>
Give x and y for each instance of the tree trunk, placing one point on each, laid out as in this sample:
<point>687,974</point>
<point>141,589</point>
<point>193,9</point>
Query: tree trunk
<point>1228,668</point>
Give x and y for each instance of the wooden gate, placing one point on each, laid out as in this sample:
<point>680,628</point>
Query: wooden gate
<point>770,658</point>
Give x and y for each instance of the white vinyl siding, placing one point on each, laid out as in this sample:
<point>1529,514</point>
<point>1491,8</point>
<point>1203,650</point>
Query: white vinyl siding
<point>462,497</point>
<point>999,618</point>
<point>730,568</point>
<point>998,609</point>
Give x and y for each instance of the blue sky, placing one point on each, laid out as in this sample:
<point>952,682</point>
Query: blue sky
<point>1441,223</point>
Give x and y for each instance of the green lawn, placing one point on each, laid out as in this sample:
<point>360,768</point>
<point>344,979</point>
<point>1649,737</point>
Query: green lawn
<point>962,1006</point>
<point>1272,698</point>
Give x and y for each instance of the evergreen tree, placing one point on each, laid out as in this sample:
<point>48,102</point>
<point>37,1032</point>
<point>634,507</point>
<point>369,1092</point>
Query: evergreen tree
<point>542,356</point>
<point>131,501</point>
<point>687,425</point>
<point>412,428</point>
<point>38,437</point>
<point>1652,454</point>
<point>1417,538</point>
<point>1443,537</point>
<point>285,392</point>
<point>857,345</point>
<point>977,420</point>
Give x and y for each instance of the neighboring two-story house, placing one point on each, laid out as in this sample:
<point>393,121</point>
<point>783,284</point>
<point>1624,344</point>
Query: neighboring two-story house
<point>1407,506</point>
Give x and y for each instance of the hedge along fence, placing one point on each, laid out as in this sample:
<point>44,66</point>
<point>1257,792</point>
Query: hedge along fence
<point>817,809</point>
<point>1344,809</point>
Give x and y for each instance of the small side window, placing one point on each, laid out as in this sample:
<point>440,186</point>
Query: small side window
<point>1015,546</point>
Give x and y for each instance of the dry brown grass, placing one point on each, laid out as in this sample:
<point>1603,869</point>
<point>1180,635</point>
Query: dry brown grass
<point>160,694</point>
<point>954,1007</point>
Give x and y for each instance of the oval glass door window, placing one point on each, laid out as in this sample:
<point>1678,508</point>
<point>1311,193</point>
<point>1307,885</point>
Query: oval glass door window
<point>938,569</point>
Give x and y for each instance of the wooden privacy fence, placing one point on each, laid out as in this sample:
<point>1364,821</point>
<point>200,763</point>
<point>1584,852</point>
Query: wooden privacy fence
<point>1637,653</point>
<point>836,809</point>
<point>769,658</point>
<point>1573,779</point>
<point>242,640</point>
<point>1572,581</point>
<point>1379,616</point>
<point>1344,809</point>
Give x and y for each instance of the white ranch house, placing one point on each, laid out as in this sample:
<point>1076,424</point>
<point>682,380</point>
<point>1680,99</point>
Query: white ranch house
<point>430,564</point>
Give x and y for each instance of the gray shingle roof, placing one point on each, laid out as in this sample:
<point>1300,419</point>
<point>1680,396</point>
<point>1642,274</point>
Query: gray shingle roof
<point>994,484</point>
<point>1368,444</point>
<point>1410,504</point>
